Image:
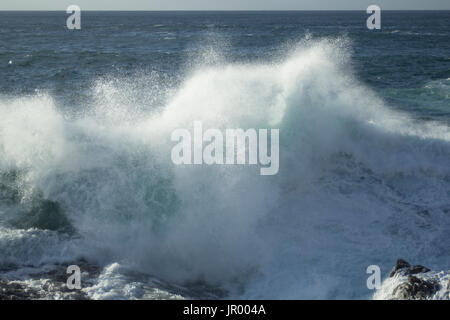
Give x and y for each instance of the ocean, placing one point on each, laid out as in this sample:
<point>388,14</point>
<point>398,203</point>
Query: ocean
<point>86,176</point>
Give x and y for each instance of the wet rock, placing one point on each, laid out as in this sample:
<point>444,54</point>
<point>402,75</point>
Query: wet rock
<point>400,265</point>
<point>416,289</point>
<point>16,291</point>
<point>403,268</point>
<point>418,269</point>
<point>417,282</point>
<point>50,284</point>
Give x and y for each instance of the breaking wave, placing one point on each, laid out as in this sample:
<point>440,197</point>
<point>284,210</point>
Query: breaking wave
<point>359,183</point>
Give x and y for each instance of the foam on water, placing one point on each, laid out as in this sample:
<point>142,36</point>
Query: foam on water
<point>112,284</point>
<point>441,278</point>
<point>359,184</point>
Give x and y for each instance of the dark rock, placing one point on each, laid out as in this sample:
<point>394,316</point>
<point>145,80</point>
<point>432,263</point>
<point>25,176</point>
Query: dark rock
<point>400,265</point>
<point>418,269</point>
<point>416,289</point>
<point>15,291</point>
<point>55,284</point>
<point>404,268</point>
<point>18,291</point>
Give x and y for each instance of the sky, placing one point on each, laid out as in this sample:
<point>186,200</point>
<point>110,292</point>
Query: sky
<point>224,4</point>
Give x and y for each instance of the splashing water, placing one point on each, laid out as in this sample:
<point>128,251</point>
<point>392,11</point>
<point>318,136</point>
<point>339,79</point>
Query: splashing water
<point>358,184</point>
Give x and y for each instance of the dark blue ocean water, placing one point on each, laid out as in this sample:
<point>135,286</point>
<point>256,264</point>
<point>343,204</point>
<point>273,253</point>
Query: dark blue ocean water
<point>407,61</point>
<point>86,178</point>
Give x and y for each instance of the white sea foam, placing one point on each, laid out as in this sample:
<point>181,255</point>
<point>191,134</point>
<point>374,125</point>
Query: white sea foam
<point>442,278</point>
<point>112,284</point>
<point>358,184</point>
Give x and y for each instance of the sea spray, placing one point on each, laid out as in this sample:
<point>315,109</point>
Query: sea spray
<point>357,184</point>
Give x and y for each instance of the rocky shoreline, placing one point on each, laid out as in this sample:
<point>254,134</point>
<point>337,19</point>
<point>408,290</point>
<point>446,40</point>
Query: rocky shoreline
<point>110,282</point>
<point>407,282</point>
<point>47,285</point>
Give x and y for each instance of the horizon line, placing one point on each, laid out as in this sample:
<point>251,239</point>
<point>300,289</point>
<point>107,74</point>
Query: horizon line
<point>216,10</point>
